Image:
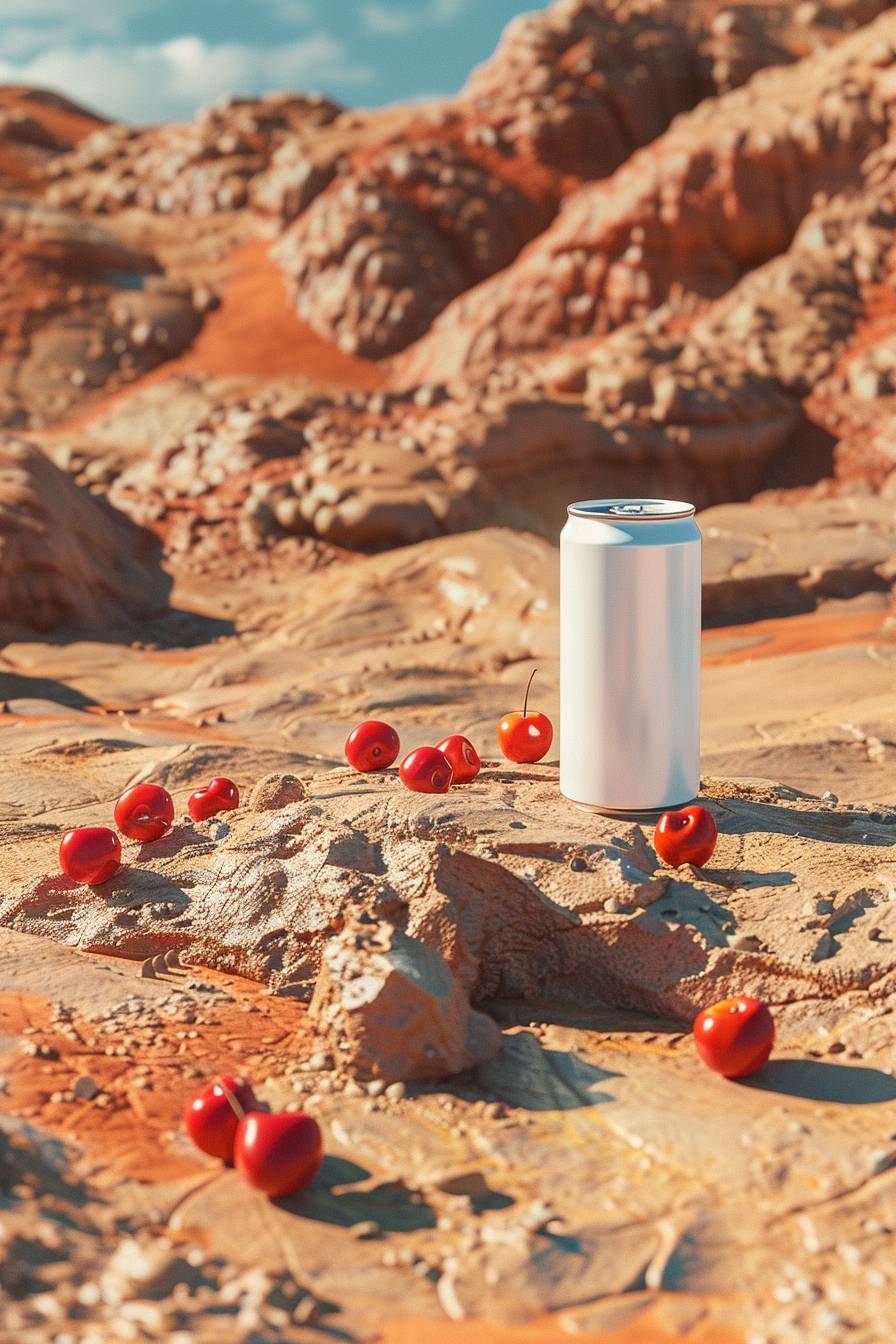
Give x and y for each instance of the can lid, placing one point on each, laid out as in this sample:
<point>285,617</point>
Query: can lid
<point>632,510</point>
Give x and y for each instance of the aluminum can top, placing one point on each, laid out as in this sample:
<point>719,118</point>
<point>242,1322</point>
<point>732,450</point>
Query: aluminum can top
<point>631,510</point>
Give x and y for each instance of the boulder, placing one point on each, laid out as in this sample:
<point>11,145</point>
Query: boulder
<point>392,1008</point>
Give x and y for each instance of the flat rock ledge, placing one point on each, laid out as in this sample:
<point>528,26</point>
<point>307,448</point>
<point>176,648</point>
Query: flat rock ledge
<point>525,897</point>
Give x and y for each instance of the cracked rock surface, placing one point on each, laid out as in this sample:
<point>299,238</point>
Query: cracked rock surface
<point>525,897</point>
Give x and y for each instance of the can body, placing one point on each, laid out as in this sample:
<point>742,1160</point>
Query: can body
<point>630,591</point>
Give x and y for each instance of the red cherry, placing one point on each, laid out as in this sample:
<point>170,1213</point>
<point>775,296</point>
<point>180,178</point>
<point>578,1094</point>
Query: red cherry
<point>525,737</point>
<point>735,1037</point>
<point>461,756</point>
<point>211,1120</point>
<point>278,1153</point>
<point>90,854</point>
<point>686,836</point>
<point>144,812</point>
<point>372,746</point>
<point>220,795</point>
<point>426,770</point>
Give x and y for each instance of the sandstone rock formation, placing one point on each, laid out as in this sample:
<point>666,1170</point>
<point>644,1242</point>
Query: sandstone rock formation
<point>723,190</point>
<point>390,1007</point>
<point>193,168</point>
<point>712,406</point>
<point>773,559</point>
<point>36,127</point>
<point>568,95</point>
<point>381,252</point>
<point>79,310</point>
<point>582,84</point>
<point>65,559</point>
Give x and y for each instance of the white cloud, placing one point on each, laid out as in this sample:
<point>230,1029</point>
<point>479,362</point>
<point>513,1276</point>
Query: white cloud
<point>387,22</point>
<point>444,11</point>
<point>293,11</point>
<point>151,82</point>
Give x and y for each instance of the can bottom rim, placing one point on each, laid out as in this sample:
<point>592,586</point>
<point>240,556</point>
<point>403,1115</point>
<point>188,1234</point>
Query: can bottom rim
<point>629,813</point>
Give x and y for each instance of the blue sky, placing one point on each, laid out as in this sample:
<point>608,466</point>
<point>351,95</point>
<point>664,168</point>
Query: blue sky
<point>145,60</point>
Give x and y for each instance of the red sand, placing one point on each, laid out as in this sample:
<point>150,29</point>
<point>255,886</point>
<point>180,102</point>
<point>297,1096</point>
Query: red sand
<point>256,331</point>
<point>130,1137</point>
<point>643,1331</point>
<point>775,637</point>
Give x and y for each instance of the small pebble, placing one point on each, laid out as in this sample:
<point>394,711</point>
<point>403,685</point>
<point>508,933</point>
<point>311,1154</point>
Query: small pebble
<point>395,1091</point>
<point>307,1311</point>
<point>376,1088</point>
<point>365,1231</point>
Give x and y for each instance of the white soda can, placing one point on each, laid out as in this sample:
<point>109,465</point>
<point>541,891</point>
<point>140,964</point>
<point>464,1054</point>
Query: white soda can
<point>630,654</point>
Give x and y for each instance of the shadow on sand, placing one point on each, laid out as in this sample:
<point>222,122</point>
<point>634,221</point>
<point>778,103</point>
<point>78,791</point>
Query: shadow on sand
<point>852,1085</point>
<point>391,1205</point>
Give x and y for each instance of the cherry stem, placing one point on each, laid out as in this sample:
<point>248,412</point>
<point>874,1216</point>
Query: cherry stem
<point>232,1101</point>
<point>528,684</point>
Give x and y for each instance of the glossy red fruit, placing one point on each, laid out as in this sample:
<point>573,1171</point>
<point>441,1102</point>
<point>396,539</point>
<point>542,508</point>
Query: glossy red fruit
<point>145,812</point>
<point>210,1119</point>
<point>372,746</point>
<point>461,756</point>
<point>278,1153</point>
<point>524,736</point>
<point>735,1037</point>
<point>220,795</point>
<point>90,854</point>
<point>686,836</point>
<point>426,770</point>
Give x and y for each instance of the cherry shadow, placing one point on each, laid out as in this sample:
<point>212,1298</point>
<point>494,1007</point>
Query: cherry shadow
<point>739,878</point>
<point>814,1080</point>
<point>392,1205</point>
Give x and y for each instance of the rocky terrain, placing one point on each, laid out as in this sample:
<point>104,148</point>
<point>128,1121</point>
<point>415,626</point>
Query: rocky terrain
<point>293,397</point>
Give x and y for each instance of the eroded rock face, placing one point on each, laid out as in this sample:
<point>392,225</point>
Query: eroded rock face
<point>65,560</point>
<point>711,406</point>
<point>380,253</point>
<point>723,190</point>
<point>765,559</point>
<point>583,83</point>
<point>522,895</point>
<point>35,127</point>
<point>391,1007</point>
<point>568,95</point>
<point>192,168</point>
<point>79,310</point>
